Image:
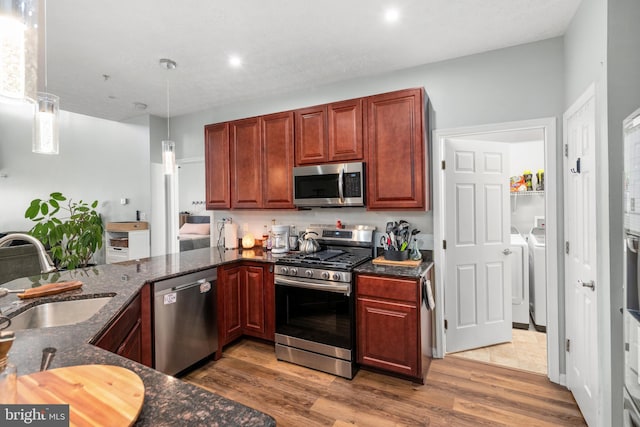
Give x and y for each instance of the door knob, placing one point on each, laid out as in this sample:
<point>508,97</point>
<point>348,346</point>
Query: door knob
<point>590,284</point>
<point>507,251</point>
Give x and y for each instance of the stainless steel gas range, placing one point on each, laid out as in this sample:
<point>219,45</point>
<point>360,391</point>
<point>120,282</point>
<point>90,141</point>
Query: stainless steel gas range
<point>315,302</point>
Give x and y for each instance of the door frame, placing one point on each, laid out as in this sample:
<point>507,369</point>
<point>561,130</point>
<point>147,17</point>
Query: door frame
<point>548,126</point>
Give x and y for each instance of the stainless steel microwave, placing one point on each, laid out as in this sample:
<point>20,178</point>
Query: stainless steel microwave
<point>329,185</point>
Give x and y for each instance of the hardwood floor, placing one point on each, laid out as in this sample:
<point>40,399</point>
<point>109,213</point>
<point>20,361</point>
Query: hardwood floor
<point>457,392</point>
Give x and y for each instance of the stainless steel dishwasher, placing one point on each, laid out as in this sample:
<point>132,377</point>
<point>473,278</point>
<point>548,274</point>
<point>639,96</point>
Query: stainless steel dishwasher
<point>185,326</point>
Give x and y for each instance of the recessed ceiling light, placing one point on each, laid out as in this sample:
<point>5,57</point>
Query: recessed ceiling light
<point>391,15</point>
<point>235,61</point>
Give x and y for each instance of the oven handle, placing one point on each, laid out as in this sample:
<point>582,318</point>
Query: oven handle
<point>301,283</point>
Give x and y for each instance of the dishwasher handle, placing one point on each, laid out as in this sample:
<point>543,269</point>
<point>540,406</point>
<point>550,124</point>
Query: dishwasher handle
<point>205,286</point>
<point>189,285</point>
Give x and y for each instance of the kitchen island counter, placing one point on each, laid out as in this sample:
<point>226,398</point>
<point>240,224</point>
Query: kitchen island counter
<point>168,401</point>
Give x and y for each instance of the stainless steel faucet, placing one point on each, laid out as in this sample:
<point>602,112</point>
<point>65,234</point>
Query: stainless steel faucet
<point>46,265</point>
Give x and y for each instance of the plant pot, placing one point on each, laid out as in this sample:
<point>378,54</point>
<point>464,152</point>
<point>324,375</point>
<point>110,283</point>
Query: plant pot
<point>396,255</point>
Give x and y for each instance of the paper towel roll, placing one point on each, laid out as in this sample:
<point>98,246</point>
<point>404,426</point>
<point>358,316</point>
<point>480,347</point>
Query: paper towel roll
<point>231,236</point>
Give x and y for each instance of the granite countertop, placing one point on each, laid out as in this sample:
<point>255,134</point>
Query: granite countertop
<point>396,271</point>
<point>168,401</point>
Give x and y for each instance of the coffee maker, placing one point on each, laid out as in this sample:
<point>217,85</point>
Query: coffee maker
<point>280,239</point>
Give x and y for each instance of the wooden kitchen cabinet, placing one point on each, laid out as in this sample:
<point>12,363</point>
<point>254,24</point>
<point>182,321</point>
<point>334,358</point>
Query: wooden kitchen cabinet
<point>129,335</point>
<point>261,162</point>
<point>389,323</point>
<point>277,166</point>
<point>396,140</point>
<point>245,303</point>
<point>330,133</point>
<point>245,163</point>
<point>216,153</point>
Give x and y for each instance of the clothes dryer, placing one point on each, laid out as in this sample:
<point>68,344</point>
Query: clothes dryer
<point>537,278</point>
<point>519,281</point>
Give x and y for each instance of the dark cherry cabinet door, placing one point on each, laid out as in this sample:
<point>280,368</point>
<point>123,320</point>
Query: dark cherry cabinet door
<point>345,131</point>
<point>387,336</point>
<point>131,348</point>
<point>277,167</point>
<point>216,153</point>
<point>253,301</point>
<point>396,136</point>
<point>387,324</point>
<point>311,135</point>
<point>246,163</point>
<point>229,305</point>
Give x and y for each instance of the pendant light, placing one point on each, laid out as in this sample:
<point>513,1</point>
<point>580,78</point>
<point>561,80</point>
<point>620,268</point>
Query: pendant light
<point>46,138</point>
<point>170,178</point>
<point>168,146</point>
<point>18,50</point>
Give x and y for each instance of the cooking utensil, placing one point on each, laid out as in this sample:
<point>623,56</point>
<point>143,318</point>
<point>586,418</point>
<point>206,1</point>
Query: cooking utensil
<point>384,242</point>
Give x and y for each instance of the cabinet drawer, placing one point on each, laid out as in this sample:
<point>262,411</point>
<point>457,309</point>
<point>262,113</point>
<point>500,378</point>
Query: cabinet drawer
<point>389,288</point>
<point>118,331</point>
<point>117,254</point>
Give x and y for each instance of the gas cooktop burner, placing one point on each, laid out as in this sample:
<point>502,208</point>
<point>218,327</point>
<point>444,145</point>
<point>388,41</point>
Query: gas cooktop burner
<point>328,258</point>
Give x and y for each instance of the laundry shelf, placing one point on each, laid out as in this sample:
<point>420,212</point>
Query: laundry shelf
<point>527,193</point>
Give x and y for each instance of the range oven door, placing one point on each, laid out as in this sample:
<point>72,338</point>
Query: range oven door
<point>313,313</point>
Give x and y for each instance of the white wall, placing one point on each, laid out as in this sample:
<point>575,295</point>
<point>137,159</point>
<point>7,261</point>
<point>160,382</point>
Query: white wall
<point>99,159</point>
<point>516,83</point>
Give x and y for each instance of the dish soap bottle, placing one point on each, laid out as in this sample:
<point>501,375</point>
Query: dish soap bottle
<point>8,371</point>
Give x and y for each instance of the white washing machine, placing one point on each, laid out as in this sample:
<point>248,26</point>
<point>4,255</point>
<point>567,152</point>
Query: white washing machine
<point>537,278</point>
<point>519,281</point>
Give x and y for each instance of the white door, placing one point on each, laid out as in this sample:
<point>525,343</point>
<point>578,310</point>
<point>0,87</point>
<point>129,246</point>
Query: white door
<point>580,231</point>
<point>477,234</point>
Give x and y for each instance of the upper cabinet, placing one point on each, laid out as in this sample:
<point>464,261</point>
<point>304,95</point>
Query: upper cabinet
<point>249,162</point>
<point>330,133</point>
<point>216,153</point>
<point>396,136</point>
<point>246,163</point>
<point>277,149</point>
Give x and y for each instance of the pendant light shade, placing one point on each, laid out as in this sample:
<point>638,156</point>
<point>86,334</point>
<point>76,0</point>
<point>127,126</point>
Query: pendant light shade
<point>168,157</point>
<point>46,136</point>
<point>18,50</point>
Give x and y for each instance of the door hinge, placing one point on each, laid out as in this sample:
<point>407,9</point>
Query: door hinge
<point>568,345</point>
<point>566,150</point>
<point>443,165</point>
<point>446,324</point>
<point>566,247</point>
<point>444,244</point>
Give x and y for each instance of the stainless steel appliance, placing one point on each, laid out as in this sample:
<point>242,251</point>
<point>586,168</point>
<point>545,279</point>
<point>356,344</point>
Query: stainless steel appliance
<point>280,239</point>
<point>631,315</point>
<point>315,302</point>
<point>329,185</point>
<point>185,326</point>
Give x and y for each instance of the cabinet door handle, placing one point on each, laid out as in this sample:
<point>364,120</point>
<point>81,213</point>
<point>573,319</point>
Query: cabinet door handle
<point>507,251</point>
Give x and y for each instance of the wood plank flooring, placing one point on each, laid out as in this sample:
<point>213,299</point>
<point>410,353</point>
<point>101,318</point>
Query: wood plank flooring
<point>457,392</point>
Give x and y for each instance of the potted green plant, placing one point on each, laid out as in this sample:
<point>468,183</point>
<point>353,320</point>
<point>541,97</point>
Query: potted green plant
<point>72,230</point>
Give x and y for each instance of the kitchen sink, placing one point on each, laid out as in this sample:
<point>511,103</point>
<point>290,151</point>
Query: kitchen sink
<point>57,313</point>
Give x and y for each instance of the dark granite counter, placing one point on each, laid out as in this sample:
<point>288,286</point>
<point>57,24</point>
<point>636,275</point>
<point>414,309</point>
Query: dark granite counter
<point>168,401</point>
<point>395,271</point>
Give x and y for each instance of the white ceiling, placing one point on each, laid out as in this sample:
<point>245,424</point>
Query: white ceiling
<point>286,45</point>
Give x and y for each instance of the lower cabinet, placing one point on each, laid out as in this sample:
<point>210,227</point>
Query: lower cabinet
<point>245,302</point>
<point>389,325</point>
<point>129,335</point>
